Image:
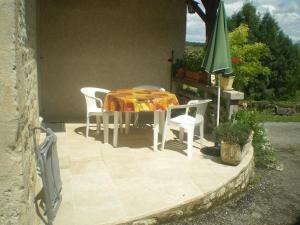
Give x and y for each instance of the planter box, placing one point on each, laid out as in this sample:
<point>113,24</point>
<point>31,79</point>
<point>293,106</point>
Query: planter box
<point>180,73</point>
<point>197,77</point>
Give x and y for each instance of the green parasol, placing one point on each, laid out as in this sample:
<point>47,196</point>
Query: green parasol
<point>217,57</point>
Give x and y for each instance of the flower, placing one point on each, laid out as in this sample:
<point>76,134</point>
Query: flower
<point>235,59</point>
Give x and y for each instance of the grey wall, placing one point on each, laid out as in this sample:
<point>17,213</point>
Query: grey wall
<point>108,44</point>
<point>18,110</point>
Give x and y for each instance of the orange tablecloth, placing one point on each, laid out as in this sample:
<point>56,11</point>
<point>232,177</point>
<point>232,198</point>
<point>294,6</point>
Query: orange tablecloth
<point>137,100</point>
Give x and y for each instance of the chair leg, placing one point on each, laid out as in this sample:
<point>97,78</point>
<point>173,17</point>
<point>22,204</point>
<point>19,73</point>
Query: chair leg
<point>136,119</point>
<point>155,130</point>
<point>121,122</point>
<point>164,136</point>
<point>201,126</point>
<point>98,123</point>
<point>127,122</point>
<point>115,138</point>
<point>87,126</point>
<point>190,140</point>
<point>162,118</point>
<point>105,125</point>
<point>181,134</point>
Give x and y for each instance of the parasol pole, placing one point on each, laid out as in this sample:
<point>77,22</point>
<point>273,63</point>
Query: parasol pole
<point>218,103</point>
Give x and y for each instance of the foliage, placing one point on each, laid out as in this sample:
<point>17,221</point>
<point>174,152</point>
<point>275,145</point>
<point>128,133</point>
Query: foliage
<point>190,44</point>
<point>248,117</point>
<point>250,55</point>
<point>263,150</point>
<point>268,115</point>
<point>291,102</point>
<point>192,59</point>
<point>283,60</point>
<point>265,109</point>
<point>232,133</point>
<point>247,15</point>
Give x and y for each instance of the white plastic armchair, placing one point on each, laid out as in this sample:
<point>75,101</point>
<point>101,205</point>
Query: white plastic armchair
<point>186,122</point>
<point>151,87</point>
<point>93,110</point>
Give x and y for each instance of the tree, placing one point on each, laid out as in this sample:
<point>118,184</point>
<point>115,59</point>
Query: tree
<point>247,15</point>
<point>284,60</point>
<point>250,54</point>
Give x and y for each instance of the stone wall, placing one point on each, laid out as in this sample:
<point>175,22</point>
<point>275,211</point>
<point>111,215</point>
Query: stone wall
<point>18,110</point>
<point>108,44</point>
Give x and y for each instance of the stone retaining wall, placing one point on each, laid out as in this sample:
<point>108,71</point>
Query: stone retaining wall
<point>18,110</point>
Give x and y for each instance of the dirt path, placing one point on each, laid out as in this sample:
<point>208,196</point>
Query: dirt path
<point>274,196</point>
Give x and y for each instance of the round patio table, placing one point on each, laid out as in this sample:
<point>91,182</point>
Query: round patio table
<point>139,100</point>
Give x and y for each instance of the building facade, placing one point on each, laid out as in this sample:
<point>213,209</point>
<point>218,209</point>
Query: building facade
<point>50,49</point>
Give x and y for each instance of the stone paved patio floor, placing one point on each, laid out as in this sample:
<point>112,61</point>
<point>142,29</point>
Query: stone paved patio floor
<point>106,185</point>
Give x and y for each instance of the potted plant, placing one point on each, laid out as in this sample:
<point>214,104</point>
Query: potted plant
<point>232,136</point>
<point>226,82</point>
<point>192,64</point>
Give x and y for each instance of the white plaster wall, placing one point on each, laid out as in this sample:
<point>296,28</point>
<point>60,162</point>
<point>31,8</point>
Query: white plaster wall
<point>108,44</point>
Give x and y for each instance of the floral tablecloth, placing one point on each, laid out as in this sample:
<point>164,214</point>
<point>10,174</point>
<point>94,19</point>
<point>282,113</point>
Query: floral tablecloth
<point>137,100</point>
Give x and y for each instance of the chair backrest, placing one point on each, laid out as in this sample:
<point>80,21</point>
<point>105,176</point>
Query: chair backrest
<point>151,87</point>
<point>200,105</point>
<point>90,96</point>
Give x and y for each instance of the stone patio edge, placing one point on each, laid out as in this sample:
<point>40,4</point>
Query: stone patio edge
<point>204,202</point>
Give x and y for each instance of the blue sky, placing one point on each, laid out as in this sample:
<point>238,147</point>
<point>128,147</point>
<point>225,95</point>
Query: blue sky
<point>286,13</point>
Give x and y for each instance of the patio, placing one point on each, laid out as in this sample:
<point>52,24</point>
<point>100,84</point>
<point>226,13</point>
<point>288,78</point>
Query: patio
<point>106,185</point>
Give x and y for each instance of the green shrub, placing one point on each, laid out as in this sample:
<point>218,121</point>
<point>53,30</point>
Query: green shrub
<point>192,60</point>
<point>249,117</point>
<point>263,150</point>
<point>251,55</point>
<point>232,133</point>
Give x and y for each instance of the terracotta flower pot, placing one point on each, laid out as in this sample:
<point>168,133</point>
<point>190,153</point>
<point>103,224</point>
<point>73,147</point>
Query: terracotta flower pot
<point>192,76</point>
<point>180,73</point>
<point>197,77</point>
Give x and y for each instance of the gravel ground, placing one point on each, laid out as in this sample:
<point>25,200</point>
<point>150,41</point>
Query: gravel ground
<point>273,197</point>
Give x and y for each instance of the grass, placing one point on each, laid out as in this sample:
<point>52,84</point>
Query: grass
<point>268,116</point>
<point>290,102</point>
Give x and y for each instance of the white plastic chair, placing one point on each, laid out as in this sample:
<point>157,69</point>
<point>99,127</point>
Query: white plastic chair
<point>150,87</point>
<point>93,110</point>
<point>186,122</point>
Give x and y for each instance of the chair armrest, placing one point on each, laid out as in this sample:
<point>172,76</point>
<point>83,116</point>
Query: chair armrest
<point>189,105</point>
<point>186,106</point>
<point>97,99</point>
<point>100,100</point>
<point>171,107</point>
